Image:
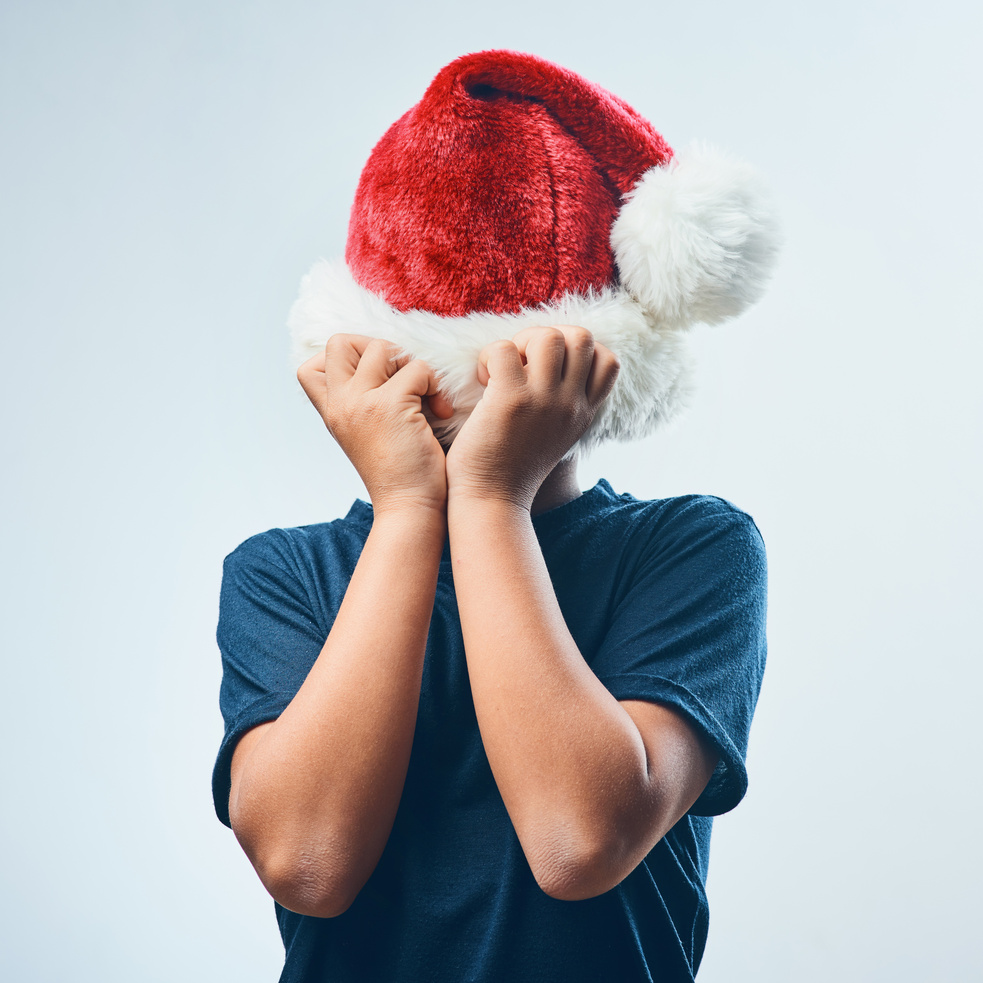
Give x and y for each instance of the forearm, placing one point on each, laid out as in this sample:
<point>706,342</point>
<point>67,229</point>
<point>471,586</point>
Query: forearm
<point>568,759</point>
<point>314,797</point>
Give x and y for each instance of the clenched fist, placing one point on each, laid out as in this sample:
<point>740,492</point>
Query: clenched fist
<point>372,403</point>
<point>542,390</point>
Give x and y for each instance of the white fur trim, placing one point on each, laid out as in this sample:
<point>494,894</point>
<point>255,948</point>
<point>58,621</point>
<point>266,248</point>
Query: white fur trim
<point>652,386</point>
<point>696,240</point>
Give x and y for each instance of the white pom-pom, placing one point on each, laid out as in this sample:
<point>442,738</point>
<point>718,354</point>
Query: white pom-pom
<point>696,240</point>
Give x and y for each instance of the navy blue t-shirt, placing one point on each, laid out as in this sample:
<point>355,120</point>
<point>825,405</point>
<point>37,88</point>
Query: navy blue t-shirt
<point>666,601</point>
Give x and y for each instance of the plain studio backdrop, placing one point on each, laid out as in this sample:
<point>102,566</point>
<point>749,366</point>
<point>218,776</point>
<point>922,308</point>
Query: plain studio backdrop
<point>170,170</point>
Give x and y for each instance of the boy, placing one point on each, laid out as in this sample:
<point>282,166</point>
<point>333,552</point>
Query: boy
<point>475,731</point>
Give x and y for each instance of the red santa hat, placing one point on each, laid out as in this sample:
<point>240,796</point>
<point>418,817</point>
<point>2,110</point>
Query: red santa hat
<point>517,193</point>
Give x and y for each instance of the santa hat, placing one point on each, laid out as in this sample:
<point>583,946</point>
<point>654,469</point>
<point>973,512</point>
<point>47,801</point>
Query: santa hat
<point>517,193</point>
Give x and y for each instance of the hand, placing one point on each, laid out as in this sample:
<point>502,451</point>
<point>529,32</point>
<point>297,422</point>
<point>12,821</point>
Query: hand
<point>372,404</point>
<point>542,390</point>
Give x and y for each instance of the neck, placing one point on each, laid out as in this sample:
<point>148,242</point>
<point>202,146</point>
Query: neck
<point>559,487</point>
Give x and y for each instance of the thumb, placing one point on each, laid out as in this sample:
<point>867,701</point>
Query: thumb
<point>441,406</point>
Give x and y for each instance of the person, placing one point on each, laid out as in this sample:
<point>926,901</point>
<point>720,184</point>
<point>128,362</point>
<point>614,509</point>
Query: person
<point>476,730</point>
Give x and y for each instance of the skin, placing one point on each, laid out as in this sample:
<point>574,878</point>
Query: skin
<point>589,783</point>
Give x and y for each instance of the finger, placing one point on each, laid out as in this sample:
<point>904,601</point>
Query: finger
<point>310,375</point>
<point>501,360</point>
<point>579,355</point>
<point>342,354</point>
<point>441,406</point>
<point>312,368</point>
<point>377,364</point>
<point>603,374</point>
<point>544,351</point>
<point>439,403</point>
<point>415,378</point>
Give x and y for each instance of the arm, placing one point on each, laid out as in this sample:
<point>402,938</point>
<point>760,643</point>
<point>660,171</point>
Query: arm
<point>589,783</point>
<point>314,793</point>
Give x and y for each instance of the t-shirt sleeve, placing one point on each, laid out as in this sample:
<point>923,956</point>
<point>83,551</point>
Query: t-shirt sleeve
<point>688,631</point>
<point>269,639</point>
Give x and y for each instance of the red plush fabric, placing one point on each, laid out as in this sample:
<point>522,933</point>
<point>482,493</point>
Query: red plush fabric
<point>498,190</point>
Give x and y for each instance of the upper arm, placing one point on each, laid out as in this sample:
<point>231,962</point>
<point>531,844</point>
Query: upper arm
<point>243,749</point>
<point>643,798</point>
<point>269,633</point>
<point>680,763</point>
<point>687,634</point>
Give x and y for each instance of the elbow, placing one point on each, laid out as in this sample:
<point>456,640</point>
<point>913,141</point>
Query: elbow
<point>306,875</point>
<point>310,863</point>
<point>576,871</point>
<point>307,885</point>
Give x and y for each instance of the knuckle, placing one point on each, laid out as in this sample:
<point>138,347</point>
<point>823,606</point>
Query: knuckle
<point>604,354</point>
<point>611,369</point>
<point>378,348</point>
<point>310,366</point>
<point>579,337</point>
<point>501,347</point>
<point>579,413</point>
<point>413,372</point>
<point>571,406</point>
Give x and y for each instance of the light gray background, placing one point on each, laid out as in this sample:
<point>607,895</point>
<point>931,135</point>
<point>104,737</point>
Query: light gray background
<point>170,170</point>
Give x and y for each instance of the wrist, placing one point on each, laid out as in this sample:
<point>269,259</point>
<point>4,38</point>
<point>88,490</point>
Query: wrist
<point>486,505</point>
<point>420,503</point>
<point>420,519</point>
<point>498,495</point>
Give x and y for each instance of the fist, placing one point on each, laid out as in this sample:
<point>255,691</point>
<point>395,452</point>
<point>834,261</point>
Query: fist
<point>371,400</point>
<point>542,390</point>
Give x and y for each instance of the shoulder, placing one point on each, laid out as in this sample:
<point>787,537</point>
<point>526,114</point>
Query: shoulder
<point>299,548</point>
<point>703,520</point>
<point>287,579</point>
<point>673,526</point>
<point>685,512</point>
<point>603,503</point>
<point>709,538</point>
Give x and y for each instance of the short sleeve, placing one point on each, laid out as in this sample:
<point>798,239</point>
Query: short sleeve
<point>269,637</point>
<point>688,630</point>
